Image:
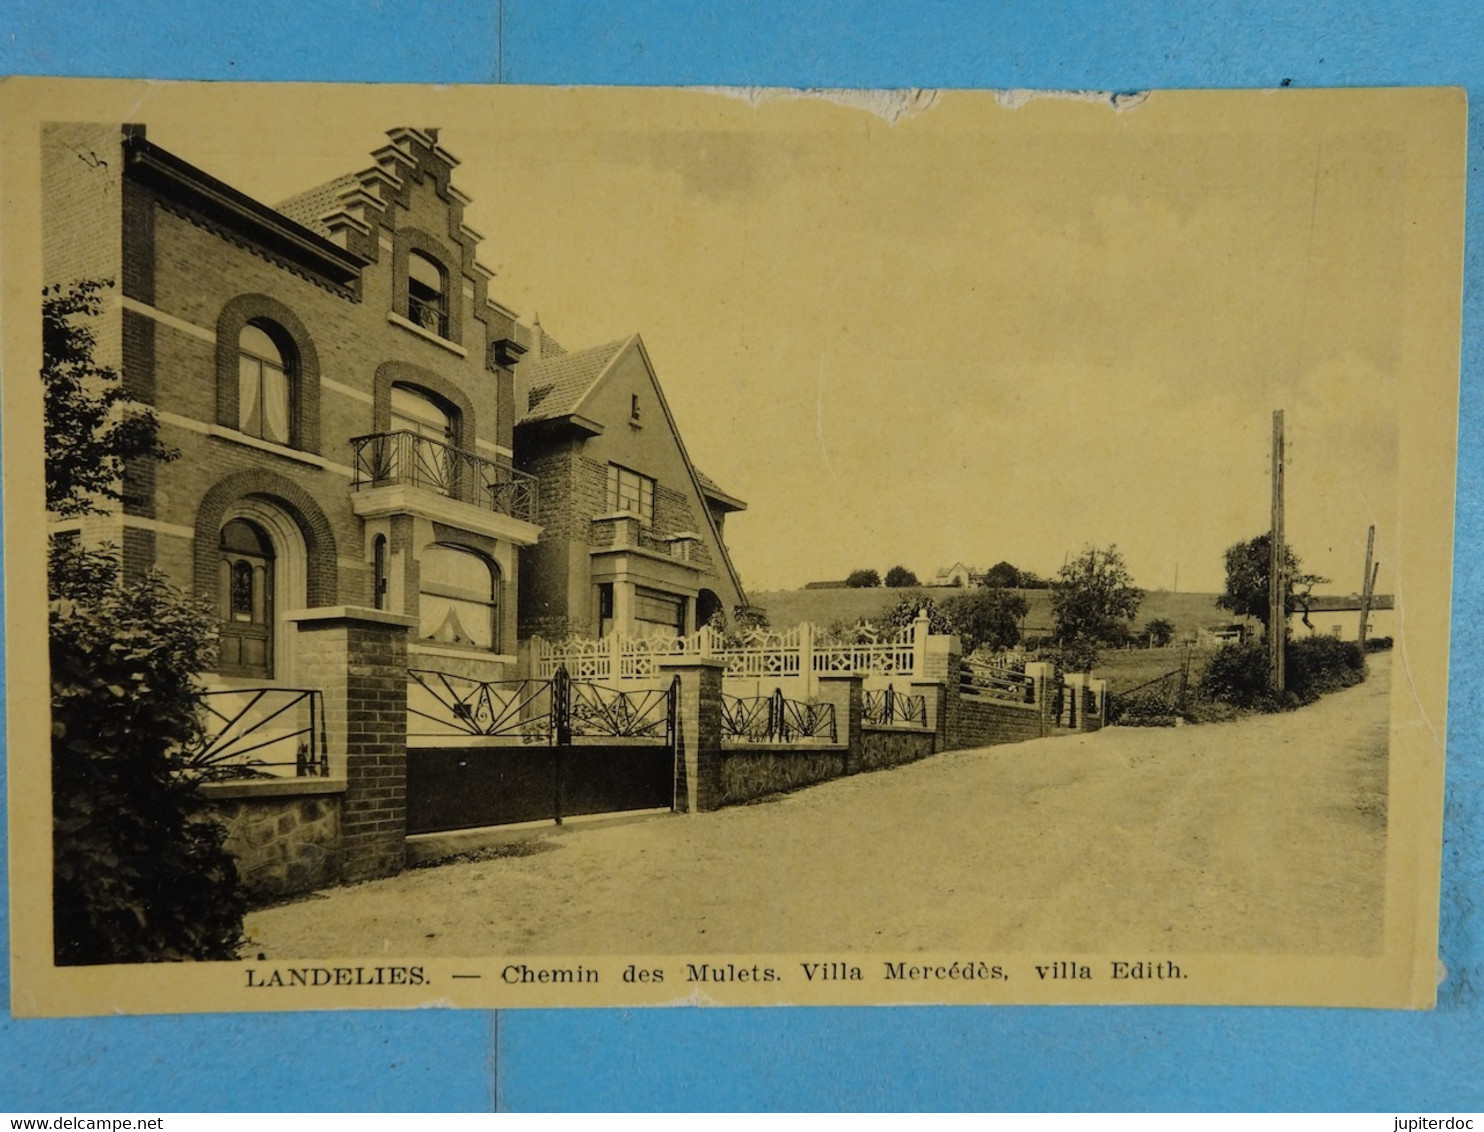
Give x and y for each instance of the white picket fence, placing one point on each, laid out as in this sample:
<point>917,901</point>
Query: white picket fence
<point>798,655</point>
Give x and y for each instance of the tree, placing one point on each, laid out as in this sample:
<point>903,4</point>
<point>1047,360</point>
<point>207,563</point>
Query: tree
<point>899,576</point>
<point>87,441</point>
<point>1160,631</point>
<point>1248,568</point>
<point>1030,580</point>
<point>905,613</point>
<point>863,579</point>
<point>1093,599</point>
<point>987,618</point>
<point>140,870</point>
<point>1002,574</point>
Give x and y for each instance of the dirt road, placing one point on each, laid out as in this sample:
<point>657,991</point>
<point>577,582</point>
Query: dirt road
<point>1263,835</point>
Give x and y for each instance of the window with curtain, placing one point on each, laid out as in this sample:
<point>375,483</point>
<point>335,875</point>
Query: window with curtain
<point>458,598</point>
<point>424,457</point>
<point>264,387</point>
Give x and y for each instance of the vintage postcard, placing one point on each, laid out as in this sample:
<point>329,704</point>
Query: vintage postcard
<point>502,547</point>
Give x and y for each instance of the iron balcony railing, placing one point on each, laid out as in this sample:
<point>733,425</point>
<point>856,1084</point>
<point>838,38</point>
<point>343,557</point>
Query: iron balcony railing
<point>429,315</point>
<point>404,457</point>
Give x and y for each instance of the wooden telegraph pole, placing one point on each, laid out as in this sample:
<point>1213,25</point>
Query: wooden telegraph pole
<point>1367,586</point>
<point>1277,567</point>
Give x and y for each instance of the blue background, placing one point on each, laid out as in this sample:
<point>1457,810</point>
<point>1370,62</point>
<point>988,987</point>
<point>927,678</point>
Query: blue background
<point>1096,1058</point>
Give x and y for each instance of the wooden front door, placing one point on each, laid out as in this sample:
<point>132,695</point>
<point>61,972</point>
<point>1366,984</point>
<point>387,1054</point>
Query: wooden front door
<point>245,585</point>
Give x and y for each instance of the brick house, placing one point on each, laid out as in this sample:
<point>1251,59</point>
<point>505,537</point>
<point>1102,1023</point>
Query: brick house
<point>350,492</point>
<point>632,531</point>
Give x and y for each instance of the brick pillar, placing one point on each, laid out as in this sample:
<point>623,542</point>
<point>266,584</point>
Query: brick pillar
<point>1074,702</point>
<point>940,666</point>
<point>846,690</point>
<point>1097,691</point>
<point>1042,677</point>
<point>358,659</point>
<point>935,701</point>
<point>698,765</point>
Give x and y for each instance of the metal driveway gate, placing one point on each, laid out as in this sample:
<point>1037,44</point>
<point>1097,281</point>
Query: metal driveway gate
<point>484,753</point>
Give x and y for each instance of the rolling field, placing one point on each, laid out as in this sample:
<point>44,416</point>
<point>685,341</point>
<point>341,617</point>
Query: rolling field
<point>786,608</point>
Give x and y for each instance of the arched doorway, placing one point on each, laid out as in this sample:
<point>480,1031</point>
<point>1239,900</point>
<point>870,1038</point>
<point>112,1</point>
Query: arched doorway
<point>708,605</point>
<point>245,572</point>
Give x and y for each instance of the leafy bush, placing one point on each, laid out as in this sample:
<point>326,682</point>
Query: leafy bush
<point>899,576</point>
<point>1238,675</point>
<point>1313,666</point>
<point>1147,707</point>
<point>140,869</point>
<point>863,579</point>
<point>1316,665</point>
<point>1377,644</point>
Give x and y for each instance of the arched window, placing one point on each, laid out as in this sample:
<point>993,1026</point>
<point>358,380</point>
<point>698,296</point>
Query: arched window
<point>458,598</point>
<point>427,293</point>
<point>379,579</point>
<point>245,599</point>
<point>425,434</point>
<point>265,372</point>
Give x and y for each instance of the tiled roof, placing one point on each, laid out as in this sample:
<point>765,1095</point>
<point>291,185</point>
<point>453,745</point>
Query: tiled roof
<point>558,384</point>
<point>307,207</point>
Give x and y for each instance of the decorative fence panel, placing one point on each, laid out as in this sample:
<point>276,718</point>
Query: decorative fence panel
<point>889,707</point>
<point>802,653</point>
<point>776,719</point>
<point>549,712</point>
<point>441,704</point>
<point>260,733</point>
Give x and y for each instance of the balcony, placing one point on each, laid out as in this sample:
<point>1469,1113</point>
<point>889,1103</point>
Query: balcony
<point>405,459</point>
<point>623,531</point>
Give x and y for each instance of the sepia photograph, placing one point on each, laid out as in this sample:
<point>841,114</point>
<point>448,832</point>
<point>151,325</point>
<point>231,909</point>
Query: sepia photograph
<point>588,547</point>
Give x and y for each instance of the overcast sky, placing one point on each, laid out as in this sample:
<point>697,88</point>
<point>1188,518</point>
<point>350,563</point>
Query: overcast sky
<point>976,334</point>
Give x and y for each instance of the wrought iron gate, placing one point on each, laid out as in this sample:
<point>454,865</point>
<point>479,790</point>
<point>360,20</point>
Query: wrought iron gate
<point>484,753</point>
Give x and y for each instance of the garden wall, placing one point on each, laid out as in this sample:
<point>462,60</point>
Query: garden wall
<point>985,722</point>
<point>892,746</point>
<point>762,769</point>
<point>284,832</point>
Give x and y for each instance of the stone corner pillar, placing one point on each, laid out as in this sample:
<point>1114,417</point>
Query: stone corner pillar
<point>698,785</point>
<point>846,691</point>
<point>357,659</point>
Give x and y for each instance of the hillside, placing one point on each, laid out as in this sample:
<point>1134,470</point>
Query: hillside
<point>1187,611</point>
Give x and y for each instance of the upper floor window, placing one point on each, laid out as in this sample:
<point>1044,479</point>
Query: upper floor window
<point>427,294</point>
<point>412,410</point>
<point>629,491</point>
<point>264,383</point>
<point>458,598</point>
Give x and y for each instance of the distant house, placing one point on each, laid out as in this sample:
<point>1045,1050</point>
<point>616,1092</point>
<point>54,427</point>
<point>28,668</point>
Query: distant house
<point>631,538</point>
<point>957,575</point>
<point>1226,633</point>
<point>1338,615</point>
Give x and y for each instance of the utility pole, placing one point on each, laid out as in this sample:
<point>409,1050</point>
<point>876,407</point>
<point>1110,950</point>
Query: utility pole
<point>1277,567</point>
<point>1367,586</point>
